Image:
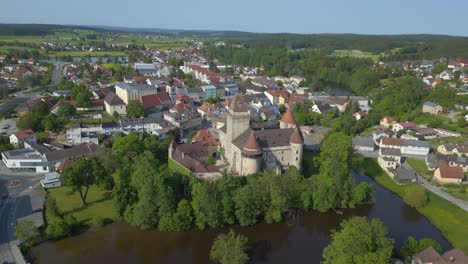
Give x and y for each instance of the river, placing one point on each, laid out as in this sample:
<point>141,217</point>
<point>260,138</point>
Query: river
<point>299,242</point>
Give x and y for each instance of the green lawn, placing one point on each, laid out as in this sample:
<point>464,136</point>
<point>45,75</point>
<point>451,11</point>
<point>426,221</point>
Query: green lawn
<point>99,205</point>
<point>420,166</point>
<point>451,220</point>
<point>460,191</point>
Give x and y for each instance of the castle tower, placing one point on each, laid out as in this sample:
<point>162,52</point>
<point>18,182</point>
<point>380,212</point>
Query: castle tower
<point>297,145</point>
<point>288,120</point>
<point>172,148</point>
<point>251,155</point>
<point>237,122</point>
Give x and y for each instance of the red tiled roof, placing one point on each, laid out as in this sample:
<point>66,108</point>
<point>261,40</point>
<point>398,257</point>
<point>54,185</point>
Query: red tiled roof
<point>278,93</point>
<point>407,124</point>
<point>24,134</point>
<point>180,107</point>
<point>393,141</point>
<point>288,117</point>
<point>251,146</point>
<point>449,172</point>
<point>296,137</point>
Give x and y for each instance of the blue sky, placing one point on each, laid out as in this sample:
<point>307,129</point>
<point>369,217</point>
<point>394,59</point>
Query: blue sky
<point>298,16</point>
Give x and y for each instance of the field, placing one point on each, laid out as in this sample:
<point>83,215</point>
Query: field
<point>451,220</point>
<point>99,205</point>
<point>356,54</point>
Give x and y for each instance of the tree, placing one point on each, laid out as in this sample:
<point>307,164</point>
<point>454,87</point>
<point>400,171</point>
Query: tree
<point>439,67</point>
<point>359,241</point>
<point>190,136</point>
<point>66,110</point>
<point>230,249</point>
<point>25,230</point>
<point>80,176</point>
<point>411,246</point>
<point>135,109</point>
<point>416,196</point>
<point>210,161</point>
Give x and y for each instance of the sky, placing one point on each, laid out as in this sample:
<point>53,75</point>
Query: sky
<point>295,16</point>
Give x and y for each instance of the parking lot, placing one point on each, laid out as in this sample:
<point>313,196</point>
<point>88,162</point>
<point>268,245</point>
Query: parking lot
<point>7,126</point>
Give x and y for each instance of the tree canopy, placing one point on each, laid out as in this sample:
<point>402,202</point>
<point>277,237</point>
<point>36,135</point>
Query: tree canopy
<point>359,241</point>
<point>230,248</point>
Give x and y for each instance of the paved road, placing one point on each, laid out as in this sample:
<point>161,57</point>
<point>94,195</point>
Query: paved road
<point>18,204</point>
<point>438,191</point>
<point>23,96</point>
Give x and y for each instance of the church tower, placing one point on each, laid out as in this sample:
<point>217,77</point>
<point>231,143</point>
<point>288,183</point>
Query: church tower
<point>237,122</point>
<point>288,120</point>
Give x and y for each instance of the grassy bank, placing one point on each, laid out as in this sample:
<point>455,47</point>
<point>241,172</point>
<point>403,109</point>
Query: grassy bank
<point>451,220</point>
<point>421,167</point>
<point>99,205</point>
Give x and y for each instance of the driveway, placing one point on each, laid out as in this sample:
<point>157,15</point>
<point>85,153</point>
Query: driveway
<point>438,191</point>
<point>22,192</point>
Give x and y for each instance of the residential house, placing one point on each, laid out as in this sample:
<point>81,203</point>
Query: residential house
<point>382,133</point>
<point>387,121</point>
<point>18,138</point>
<point>128,92</point>
<point>447,174</point>
<point>113,103</point>
<point>197,93</point>
<point>321,108</point>
<point>404,126</point>
<point>360,115</point>
<point>431,256</point>
<point>389,157</point>
<point>231,89</point>
<point>209,91</point>
<point>156,102</point>
<point>432,108</point>
<point>363,143</point>
<point>407,147</point>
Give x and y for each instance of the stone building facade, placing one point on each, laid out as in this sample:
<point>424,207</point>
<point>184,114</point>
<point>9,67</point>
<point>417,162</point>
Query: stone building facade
<point>248,151</point>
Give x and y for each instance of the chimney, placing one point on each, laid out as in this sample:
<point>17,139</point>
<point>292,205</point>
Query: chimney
<point>183,155</point>
<point>452,259</point>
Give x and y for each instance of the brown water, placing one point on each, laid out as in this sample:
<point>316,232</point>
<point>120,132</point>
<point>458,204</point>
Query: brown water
<point>301,241</point>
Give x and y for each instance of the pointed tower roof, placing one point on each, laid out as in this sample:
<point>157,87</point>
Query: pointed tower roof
<point>251,146</point>
<point>238,104</point>
<point>296,137</point>
<point>288,117</point>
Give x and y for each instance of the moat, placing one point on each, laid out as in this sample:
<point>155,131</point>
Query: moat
<point>299,240</point>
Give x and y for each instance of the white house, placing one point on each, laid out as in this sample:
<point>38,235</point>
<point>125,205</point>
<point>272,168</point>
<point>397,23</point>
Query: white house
<point>19,137</point>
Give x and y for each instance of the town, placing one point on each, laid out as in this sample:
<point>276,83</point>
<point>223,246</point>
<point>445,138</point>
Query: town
<point>172,126</point>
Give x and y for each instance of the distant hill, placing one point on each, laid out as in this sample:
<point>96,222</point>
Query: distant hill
<point>398,47</point>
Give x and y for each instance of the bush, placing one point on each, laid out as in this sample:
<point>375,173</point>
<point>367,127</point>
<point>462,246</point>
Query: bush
<point>416,196</point>
<point>61,228</point>
<point>99,221</point>
<point>51,207</point>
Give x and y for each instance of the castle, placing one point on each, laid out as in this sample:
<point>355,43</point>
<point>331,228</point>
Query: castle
<point>248,151</point>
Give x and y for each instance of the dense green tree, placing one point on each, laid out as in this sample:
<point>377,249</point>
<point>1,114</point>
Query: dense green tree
<point>412,246</point>
<point>26,230</point>
<point>66,110</point>
<point>416,196</point>
<point>83,173</point>
<point>230,249</point>
<point>206,204</point>
<point>359,241</point>
<point>130,145</point>
<point>439,67</point>
<point>135,109</point>
<point>251,201</point>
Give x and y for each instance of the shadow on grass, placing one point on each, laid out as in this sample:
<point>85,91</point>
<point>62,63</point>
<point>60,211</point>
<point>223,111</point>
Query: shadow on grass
<point>105,197</point>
